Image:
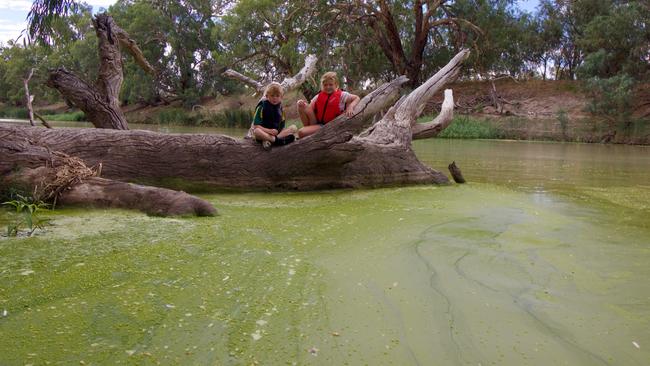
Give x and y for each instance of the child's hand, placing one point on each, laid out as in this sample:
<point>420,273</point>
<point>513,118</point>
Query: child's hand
<point>302,104</point>
<point>273,132</point>
<point>349,112</point>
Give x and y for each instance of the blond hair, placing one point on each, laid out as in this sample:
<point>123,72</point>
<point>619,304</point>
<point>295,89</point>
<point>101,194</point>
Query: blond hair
<point>329,76</point>
<point>274,89</point>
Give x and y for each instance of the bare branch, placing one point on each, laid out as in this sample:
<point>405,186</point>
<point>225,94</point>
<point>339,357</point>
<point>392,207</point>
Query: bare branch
<point>29,98</point>
<point>306,72</point>
<point>134,50</point>
<point>413,105</point>
<point>244,79</point>
<point>433,128</point>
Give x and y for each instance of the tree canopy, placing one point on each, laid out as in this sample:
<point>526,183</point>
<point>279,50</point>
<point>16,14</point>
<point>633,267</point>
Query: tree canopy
<point>190,43</point>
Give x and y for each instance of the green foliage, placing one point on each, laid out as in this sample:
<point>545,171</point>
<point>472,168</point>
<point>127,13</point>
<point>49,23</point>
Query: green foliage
<point>77,116</point>
<point>611,97</point>
<point>617,42</point>
<point>26,210</point>
<point>465,127</point>
<point>13,112</point>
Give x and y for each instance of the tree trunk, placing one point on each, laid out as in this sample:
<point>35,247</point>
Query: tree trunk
<point>28,97</point>
<point>57,177</point>
<point>341,154</point>
<point>101,103</point>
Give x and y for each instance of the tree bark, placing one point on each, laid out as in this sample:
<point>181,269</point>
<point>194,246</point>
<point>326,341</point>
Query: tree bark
<point>344,153</point>
<point>29,98</point>
<point>50,176</point>
<point>100,102</point>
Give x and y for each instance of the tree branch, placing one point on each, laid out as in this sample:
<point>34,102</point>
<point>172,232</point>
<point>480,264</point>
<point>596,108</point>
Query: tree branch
<point>306,72</point>
<point>433,128</point>
<point>259,87</point>
<point>414,104</point>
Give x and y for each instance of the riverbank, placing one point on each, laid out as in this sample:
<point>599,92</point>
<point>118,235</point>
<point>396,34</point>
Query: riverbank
<point>526,110</point>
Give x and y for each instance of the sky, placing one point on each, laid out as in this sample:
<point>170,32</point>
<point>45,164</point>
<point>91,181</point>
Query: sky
<point>14,12</point>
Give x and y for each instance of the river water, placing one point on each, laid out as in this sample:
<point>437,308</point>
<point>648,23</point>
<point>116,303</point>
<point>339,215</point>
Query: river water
<point>541,259</point>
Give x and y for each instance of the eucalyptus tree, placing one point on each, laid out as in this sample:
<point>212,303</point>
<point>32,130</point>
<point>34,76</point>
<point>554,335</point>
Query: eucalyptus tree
<point>272,38</point>
<point>403,28</point>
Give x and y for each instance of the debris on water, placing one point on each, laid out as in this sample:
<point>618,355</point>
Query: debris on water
<point>261,322</point>
<point>292,272</point>
<point>256,336</point>
<point>225,278</point>
<point>5,313</point>
<point>130,352</point>
<point>313,351</point>
<point>636,344</point>
<point>26,272</point>
<point>169,306</point>
<point>336,334</point>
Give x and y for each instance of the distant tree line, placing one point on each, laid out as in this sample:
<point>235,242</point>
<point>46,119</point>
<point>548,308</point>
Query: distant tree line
<point>190,43</point>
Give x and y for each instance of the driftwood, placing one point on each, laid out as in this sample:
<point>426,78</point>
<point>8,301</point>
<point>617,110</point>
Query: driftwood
<point>52,176</point>
<point>456,173</point>
<point>100,102</point>
<point>347,152</point>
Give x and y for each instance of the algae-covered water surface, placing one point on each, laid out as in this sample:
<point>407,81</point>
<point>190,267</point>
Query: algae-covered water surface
<point>542,259</point>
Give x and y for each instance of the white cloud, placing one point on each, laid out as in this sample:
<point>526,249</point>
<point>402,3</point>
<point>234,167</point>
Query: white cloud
<point>19,5</point>
<point>10,30</point>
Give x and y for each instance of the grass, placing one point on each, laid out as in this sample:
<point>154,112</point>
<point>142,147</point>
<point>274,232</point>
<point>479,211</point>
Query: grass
<point>71,116</point>
<point>49,115</point>
<point>465,127</point>
<point>13,112</point>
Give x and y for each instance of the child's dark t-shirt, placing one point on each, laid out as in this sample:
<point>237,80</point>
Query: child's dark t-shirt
<point>269,115</point>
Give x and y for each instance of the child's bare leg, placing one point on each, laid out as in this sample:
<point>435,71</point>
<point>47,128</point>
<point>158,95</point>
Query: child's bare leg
<point>307,116</point>
<point>308,130</point>
<point>262,136</point>
<point>288,131</point>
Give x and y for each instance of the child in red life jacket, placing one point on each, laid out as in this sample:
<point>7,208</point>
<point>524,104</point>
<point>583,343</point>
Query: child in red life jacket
<point>269,119</point>
<point>330,103</point>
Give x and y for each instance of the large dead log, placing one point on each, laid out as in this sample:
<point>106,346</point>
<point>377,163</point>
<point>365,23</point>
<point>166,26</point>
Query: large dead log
<point>100,102</point>
<point>64,180</point>
<point>339,155</point>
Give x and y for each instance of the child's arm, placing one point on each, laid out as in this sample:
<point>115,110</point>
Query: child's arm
<point>352,102</point>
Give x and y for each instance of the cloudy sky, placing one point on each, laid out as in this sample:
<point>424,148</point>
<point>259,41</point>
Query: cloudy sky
<point>14,12</point>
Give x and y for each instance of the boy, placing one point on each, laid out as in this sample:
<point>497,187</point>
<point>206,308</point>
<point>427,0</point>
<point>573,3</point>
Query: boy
<point>269,119</point>
<point>327,105</point>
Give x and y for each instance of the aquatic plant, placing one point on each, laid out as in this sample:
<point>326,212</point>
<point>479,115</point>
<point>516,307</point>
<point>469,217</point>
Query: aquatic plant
<point>27,210</point>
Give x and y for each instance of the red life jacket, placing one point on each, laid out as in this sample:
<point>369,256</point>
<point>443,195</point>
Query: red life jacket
<point>327,106</point>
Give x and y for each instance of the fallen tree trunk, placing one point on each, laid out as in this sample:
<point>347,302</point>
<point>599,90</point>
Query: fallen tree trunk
<point>65,180</point>
<point>341,154</point>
